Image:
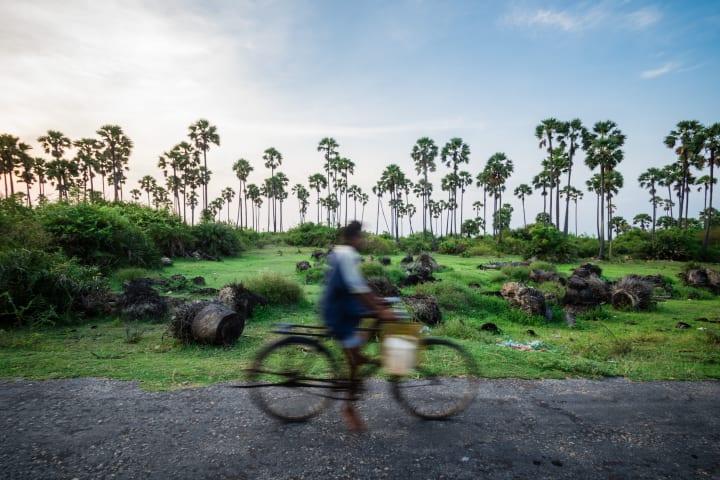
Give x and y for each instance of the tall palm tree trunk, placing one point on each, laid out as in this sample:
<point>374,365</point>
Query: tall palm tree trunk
<point>709,210</point>
<point>567,201</point>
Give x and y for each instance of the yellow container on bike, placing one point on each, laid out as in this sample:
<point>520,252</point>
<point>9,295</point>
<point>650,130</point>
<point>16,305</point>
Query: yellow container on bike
<point>400,347</point>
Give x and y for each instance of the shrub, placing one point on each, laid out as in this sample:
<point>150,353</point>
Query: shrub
<point>417,243</point>
<point>216,239</point>
<point>98,234</point>
<point>378,245</point>
<point>633,242</point>
<point>372,269</point>
<point>37,286</point>
<point>454,246</point>
<point>19,227</point>
<point>481,248</point>
<point>311,235</point>
<point>455,296</point>
<point>314,275</point>
<point>548,243</point>
<point>512,246</point>
<point>584,247</point>
<point>276,288</point>
<point>673,244</point>
<point>519,274</point>
<point>545,266</point>
<point>130,273</point>
<point>171,236</point>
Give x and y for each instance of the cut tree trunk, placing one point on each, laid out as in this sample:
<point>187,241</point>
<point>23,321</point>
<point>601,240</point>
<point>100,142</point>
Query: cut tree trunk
<point>216,324</point>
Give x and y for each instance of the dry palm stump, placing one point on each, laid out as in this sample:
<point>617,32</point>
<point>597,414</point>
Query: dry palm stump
<point>139,300</point>
<point>382,287</point>
<point>585,289</point>
<point>529,300</point>
<point>421,270</point>
<point>302,266</point>
<point>423,308</point>
<point>702,277</point>
<point>632,292</point>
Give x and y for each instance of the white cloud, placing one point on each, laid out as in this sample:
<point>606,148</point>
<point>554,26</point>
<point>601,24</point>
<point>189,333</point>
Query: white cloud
<point>665,69</point>
<point>582,18</point>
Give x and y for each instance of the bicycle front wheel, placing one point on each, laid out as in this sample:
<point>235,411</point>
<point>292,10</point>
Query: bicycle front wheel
<point>293,379</point>
<point>443,384</point>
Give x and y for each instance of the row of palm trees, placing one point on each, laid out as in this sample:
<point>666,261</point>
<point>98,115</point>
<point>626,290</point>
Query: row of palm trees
<point>186,177</point>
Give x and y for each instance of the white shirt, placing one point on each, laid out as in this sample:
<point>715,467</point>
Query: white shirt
<point>348,261</point>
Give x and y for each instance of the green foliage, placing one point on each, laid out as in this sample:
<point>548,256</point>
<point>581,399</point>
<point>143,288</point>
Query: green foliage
<point>276,288</point>
<point>673,244</point>
<point>584,247</point>
<point>518,274</point>
<point>545,266</point>
<point>217,239</point>
<point>416,243</point>
<point>455,296</point>
<point>19,227</point>
<point>98,234</point>
<point>372,269</point>
<point>129,273</point>
<point>169,233</point>
<point>512,245</point>
<point>454,245</point>
<point>37,286</point>
<point>378,245</point>
<point>548,243</point>
<point>311,235</point>
<point>314,275</point>
<point>481,248</point>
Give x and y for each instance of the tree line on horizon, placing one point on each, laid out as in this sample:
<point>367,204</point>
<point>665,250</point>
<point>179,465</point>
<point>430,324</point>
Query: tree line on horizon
<point>186,176</point>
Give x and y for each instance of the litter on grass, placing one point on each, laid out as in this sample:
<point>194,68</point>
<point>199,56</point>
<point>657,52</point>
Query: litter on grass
<point>534,345</point>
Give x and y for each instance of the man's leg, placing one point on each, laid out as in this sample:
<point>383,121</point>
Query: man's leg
<point>354,359</point>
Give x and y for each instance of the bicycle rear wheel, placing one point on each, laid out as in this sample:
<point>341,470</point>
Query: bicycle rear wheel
<point>293,379</point>
<point>443,384</point>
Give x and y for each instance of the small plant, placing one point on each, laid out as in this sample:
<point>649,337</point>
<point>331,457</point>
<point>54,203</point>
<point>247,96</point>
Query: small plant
<point>314,275</point>
<point>133,333</point>
<point>518,274</point>
<point>372,269</point>
<point>545,266</point>
<point>276,288</point>
<point>130,273</point>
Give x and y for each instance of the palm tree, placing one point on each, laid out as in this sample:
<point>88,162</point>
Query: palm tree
<point>55,144</point>
<point>302,195</point>
<point>546,132</point>
<point>364,199</point>
<point>464,181</point>
<point>603,148</point>
<point>394,182</point>
<point>574,194</point>
<point>614,181</point>
<point>203,135</point>
<point>477,205</point>
<point>169,163</point>
<point>272,159</point>
<point>378,189</point>
<point>522,192</point>
<point>570,134</point>
<point>253,194</point>
<point>280,181</point>
<point>643,220</point>
<point>192,202</point>
<point>329,147</point>
<point>454,153</point>
<point>40,169</point>
<point>542,182</point>
<point>482,182</point>
<point>227,196</point>
<point>497,170</point>
<point>317,182</point>
<point>116,148</point>
<point>148,184</point>
<point>26,174</point>
<point>242,169</point>
<point>86,158</point>
<point>712,147</point>
<point>424,153</point>
<point>687,141</point>
<point>649,179</point>
<point>13,153</point>
<point>135,194</point>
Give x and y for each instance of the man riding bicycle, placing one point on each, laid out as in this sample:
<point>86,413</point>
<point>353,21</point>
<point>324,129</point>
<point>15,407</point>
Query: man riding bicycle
<point>347,299</point>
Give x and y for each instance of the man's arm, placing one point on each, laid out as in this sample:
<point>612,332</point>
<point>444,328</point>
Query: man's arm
<point>358,286</point>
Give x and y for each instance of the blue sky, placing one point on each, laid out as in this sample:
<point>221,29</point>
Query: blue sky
<point>375,75</point>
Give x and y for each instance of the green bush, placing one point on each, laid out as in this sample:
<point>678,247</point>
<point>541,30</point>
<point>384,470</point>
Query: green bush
<point>481,248</point>
<point>545,266</point>
<point>276,288</point>
<point>169,233</point>
<point>129,273</point>
<point>634,243</point>
<point>314,275</point>
<point>311,235</point>
<point>417,243</point>
<point>372,269</point>
<point>548,243</point>
<point>98,234</point>
<point>673,244</point>
<point>37,286</point>
<point>19,227</point>
<point>512,246</point>
<point>584,247</point>
<point>518,274</point>
<point>378,245</point>
<point>454,246</point>
<point>455,296</point>
<point>217,239</point>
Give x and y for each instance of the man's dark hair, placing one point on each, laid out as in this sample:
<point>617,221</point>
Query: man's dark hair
<point>351,231</point>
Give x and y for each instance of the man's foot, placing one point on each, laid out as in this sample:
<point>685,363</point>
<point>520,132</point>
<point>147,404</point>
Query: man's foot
<point>353,420</point>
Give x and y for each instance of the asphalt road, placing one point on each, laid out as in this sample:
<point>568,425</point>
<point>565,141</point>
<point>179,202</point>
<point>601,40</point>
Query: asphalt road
<point>91,428</point>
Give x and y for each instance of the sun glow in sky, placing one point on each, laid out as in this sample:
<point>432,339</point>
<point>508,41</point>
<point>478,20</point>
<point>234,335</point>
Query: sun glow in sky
<point>374,75</point>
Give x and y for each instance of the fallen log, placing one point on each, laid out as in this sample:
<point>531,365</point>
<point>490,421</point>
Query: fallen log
<point>529,300</point>
<point>207,322</point>
<point>632,293</point>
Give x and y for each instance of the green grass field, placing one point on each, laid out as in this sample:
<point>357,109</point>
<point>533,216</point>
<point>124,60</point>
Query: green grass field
<point>639,346</point>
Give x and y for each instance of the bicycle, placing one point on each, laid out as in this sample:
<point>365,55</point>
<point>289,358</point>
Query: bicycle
<point>296,377</point>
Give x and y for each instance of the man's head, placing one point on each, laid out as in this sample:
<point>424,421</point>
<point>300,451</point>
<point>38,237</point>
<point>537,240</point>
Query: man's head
<point>352,234</point>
